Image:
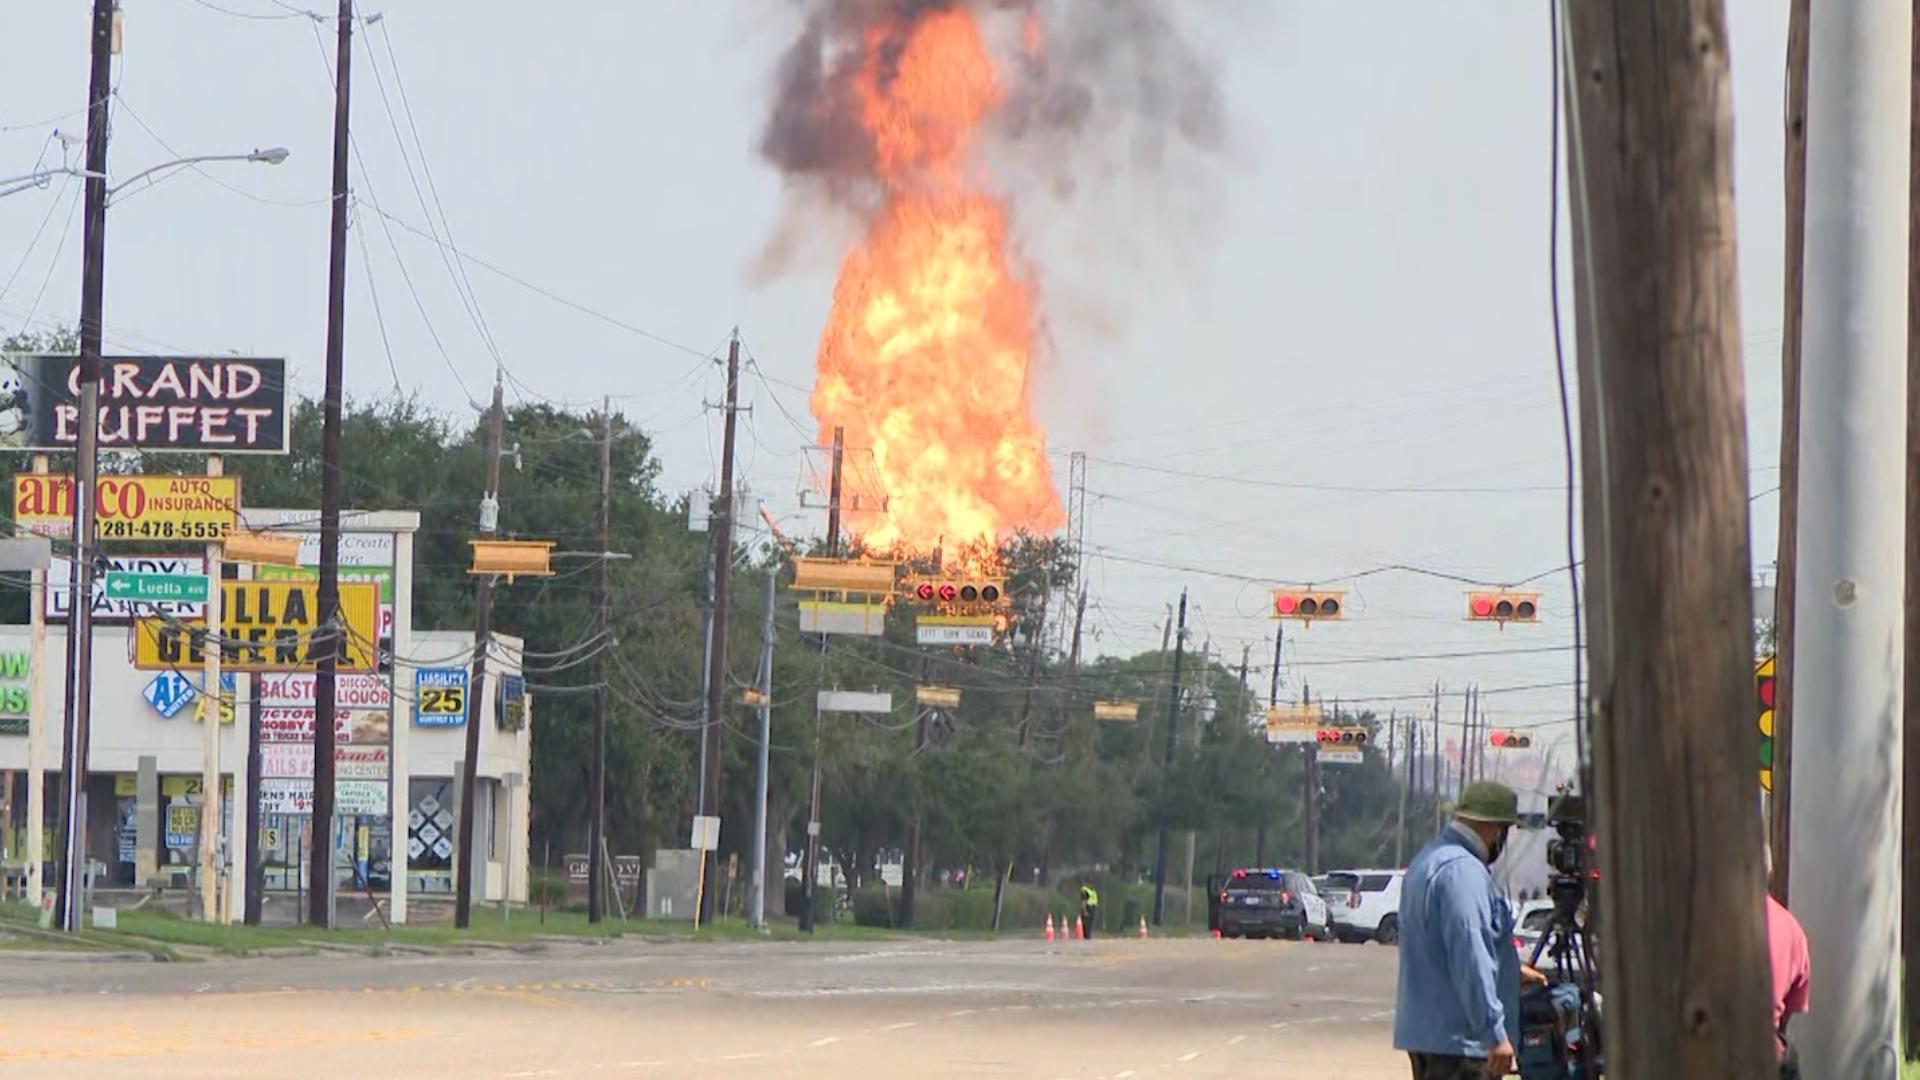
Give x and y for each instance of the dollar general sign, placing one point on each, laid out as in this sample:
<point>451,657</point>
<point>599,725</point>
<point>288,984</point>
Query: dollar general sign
<point>265,626</point>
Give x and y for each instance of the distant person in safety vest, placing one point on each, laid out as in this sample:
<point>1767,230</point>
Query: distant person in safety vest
<point>1089,907</point>
<point>1458,1007</point>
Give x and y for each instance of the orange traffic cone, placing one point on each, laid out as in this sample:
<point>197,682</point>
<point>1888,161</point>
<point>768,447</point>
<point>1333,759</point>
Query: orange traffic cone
<point>1079,929</point>
<point>1143,928</point>
<point>1049,926</point>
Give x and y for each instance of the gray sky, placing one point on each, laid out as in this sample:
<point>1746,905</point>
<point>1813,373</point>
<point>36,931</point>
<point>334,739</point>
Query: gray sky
<point>1355,296</point>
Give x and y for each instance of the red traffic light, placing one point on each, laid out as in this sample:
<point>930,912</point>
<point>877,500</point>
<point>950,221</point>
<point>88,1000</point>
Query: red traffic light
<point>1498,738</point>
<point>1503,606</point>
<point>925,591</point>
<point>948,591</point>
<point>959,592</point>
<point>1307,604</point>
<point>1510,740</point>
<point>1766,691</point>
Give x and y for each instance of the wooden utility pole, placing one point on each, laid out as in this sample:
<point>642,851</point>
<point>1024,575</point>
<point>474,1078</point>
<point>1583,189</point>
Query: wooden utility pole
<point>1310,795</point>
<point>1651,120</point>
<point>71,856</point>
<point>1400,821</point>
<point>328,593</point>
<point>722,604</point>
<point>597,826</point>
<point>1910,720</point>
<point>463,859</point>
<point>811,858</point>
<point>1266,763</point>
<point>1173,744</point>
<point>1780,806</point>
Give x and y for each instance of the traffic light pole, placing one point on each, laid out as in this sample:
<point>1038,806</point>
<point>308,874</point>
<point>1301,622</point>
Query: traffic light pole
<point>482,644</point>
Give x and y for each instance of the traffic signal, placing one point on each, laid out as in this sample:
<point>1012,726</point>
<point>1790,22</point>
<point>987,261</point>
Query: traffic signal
<point>986,592</point>
<point>1503,606</point>
<point>1510,740</point>
<point>1308,604</point>
<point>1341,736</point>
<point>1763,690</point>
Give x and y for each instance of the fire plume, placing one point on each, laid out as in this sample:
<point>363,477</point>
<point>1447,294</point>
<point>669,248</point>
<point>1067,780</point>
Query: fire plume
<point>932,332</point>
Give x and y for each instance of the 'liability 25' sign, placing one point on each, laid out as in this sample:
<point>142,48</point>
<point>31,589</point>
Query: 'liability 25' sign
<point>266,626</point>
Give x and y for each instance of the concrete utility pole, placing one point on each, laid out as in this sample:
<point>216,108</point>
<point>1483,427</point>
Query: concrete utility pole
<point>1910,725</point>
<point>1400,821</point>
<point>327,618</point>
<point>1173,744</point>
<point>597,827</point>
<point>722,596</point>
<point>1848,607</point>
<point>482,644</point>
<point>256,866</point>
<point>1780,805</point>
<point>757,898</point>
<point>93,258</point>
<point>208,709</point>
<point>1651,124</point>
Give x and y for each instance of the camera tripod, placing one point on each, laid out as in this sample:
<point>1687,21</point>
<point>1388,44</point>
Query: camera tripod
<point>1569,946</point>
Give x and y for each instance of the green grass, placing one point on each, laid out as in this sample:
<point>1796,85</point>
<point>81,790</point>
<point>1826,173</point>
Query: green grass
<point>161,933</point>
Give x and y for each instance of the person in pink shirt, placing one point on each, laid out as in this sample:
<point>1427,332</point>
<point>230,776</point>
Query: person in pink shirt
<point>1792,966</point>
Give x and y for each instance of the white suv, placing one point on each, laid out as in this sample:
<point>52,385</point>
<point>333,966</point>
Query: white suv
<point>1372,904</point>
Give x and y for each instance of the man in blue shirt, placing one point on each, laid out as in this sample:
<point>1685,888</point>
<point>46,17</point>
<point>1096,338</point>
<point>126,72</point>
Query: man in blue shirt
<point>1458,1005</point>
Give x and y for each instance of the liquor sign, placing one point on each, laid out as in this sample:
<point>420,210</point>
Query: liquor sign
<point>193,404</point>
<point>131,507</point>
<point>349,691</point>
<point>440,697</point>
<point>110,608</point>
<point>265,626</point>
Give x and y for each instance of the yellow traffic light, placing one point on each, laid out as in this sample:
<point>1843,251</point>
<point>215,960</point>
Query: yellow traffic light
<point>271,549</point>
<point>512,558</point>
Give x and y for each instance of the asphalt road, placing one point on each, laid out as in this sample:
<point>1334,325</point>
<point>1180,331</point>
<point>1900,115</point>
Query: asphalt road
<point>1113,1010</point>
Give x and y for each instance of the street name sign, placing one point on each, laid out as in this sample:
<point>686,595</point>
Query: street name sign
<point>152,588</point>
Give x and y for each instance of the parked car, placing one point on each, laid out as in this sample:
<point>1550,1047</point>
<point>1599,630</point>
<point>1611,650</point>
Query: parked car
<point>1339,898</point>
<point>1530,922</point>
<point>1372,902</point>
<point>1271,902</point>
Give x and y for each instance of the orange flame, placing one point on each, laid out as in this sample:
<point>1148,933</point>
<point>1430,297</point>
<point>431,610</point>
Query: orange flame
<point>926,350</point>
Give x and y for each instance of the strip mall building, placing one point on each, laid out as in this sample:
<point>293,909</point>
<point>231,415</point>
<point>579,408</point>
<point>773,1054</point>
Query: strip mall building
<point>146,756</point>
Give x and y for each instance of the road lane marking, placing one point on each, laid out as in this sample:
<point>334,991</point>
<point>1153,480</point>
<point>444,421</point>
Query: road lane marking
<point>901,1026</point>
<point>742,1057</point>
<point>1188,1056</point>
<point>1236,1040</point>
<point>827,1041</point>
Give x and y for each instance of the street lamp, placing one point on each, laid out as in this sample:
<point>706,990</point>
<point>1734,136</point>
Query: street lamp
<point>40,178</point>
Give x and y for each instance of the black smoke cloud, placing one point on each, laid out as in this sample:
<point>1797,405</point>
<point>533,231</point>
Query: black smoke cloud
<point>1114,84</point>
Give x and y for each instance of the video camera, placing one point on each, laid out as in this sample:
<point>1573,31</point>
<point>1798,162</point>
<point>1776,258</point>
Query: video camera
<point>1560,1022</point>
